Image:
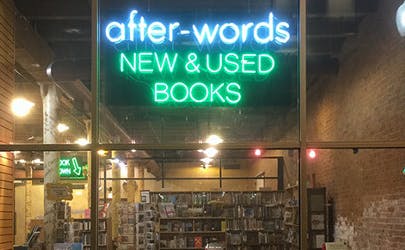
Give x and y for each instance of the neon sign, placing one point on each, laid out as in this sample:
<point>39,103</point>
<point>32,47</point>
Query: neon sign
<point>70,168</point>
<point>227,33</point>
<point>207,76</point>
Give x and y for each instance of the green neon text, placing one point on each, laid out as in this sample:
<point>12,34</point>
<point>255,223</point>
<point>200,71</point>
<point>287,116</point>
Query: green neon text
<point>198,92</point>
<point>70,168</point>
<point>230,63</point>
<point>147,62</point>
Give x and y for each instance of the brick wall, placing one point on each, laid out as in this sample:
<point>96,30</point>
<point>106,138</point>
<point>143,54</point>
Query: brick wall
<point>365,101</point>
<point>6,122</point>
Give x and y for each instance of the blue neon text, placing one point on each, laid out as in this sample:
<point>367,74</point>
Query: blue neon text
<point>138,28</point>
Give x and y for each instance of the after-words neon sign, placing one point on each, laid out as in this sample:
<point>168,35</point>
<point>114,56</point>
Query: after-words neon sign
<point>228,33</point>
<point>231,64</point>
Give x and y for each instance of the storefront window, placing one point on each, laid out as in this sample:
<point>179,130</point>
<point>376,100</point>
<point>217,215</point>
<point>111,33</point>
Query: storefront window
<point>181,201</point>
<point>51,194</point>
<point>353,90</point>
<point>189,118</point>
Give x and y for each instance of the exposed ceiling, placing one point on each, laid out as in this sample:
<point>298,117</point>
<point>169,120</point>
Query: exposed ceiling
<point>65,26</point>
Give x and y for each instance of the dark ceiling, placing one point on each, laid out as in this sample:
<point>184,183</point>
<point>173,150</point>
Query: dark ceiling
<point>66,27</point>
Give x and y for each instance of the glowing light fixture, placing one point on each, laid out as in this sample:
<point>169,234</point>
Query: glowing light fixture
<point>400,19</point>
<point>258,152</point>
<point>37,161</point>
<point>62,127</point>
<point>102,152</point>
<point>115,160</point>
<point>214,140</point>
<point>311,154</point>
<point>21,106</point>
<point>206,162</point>
<point>211,152</point>
<point>82,141</point>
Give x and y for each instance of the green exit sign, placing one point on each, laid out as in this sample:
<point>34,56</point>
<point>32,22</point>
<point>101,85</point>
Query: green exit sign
<point>70,168</point>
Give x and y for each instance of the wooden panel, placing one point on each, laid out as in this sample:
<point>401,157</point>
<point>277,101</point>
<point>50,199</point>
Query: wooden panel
<point>6,82</point>
<point>6,216</point>
<point>6,246</point>
<point>7,61</point>
<point>6,207</point>
<point>6,169</point>
<point>6,193</point>
<point>6,185</point>
<point>5,238</point>
<point>6,177</point>
<point>6,224</point>
<point>5,230</point>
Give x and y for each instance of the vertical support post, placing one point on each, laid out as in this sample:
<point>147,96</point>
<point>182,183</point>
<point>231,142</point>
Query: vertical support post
<point>280,174</point>
<point>220,173</point>
<point>89,161</point>
<point>303,124</point>
<point>131,183</point>
<point>50,103</point>
<point>116,197</point>
<point>95,69</point>
<point>140,173</point>
<point>28,200</point>
<point>162,174</point>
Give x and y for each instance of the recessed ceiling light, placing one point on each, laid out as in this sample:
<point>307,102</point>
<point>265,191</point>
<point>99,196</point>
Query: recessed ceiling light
<point>21,106</point>
<point>214,140</point>
<point>73,31</point>
<point>82,141</point>
<point>211,152</point>
<point>62,127</point>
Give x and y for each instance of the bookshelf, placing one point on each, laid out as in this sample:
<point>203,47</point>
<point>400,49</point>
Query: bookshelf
<point>82,233</point>
<point>235,220</point>
<point>291,219</point>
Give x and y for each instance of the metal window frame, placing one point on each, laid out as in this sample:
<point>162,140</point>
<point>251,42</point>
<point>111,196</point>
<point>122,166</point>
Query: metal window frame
<point>300,145</point>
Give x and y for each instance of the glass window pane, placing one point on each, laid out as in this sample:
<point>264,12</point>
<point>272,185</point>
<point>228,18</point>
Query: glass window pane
<point>51,193</point>
<point>45,90</point>
<point>185,202</point>
<point>355,78</point>
<point>226,68</point>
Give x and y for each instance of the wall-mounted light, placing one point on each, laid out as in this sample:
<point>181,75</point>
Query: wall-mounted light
<point>205,162</point>
<point>214,140</point>
<point>211,152</point>
<point>400,19</point>
<point>37,161</point>
<point>82,141</point>
<point>62,127</point>
<point>102,152</point>
<point>311,153</point>
<point>21,106</point>
<point>258,152</point>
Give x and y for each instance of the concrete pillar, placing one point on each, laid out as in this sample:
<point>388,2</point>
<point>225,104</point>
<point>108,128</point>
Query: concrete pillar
<point>116,197</point>
<point>50,103</point>
<point>132,188</point>
<point>139,173</point>
<point>88,131</point>
<point>28,199</point>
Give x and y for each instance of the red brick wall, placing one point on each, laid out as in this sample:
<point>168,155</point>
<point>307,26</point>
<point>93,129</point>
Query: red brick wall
<point>6,122</point>
<point>365,101</point>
